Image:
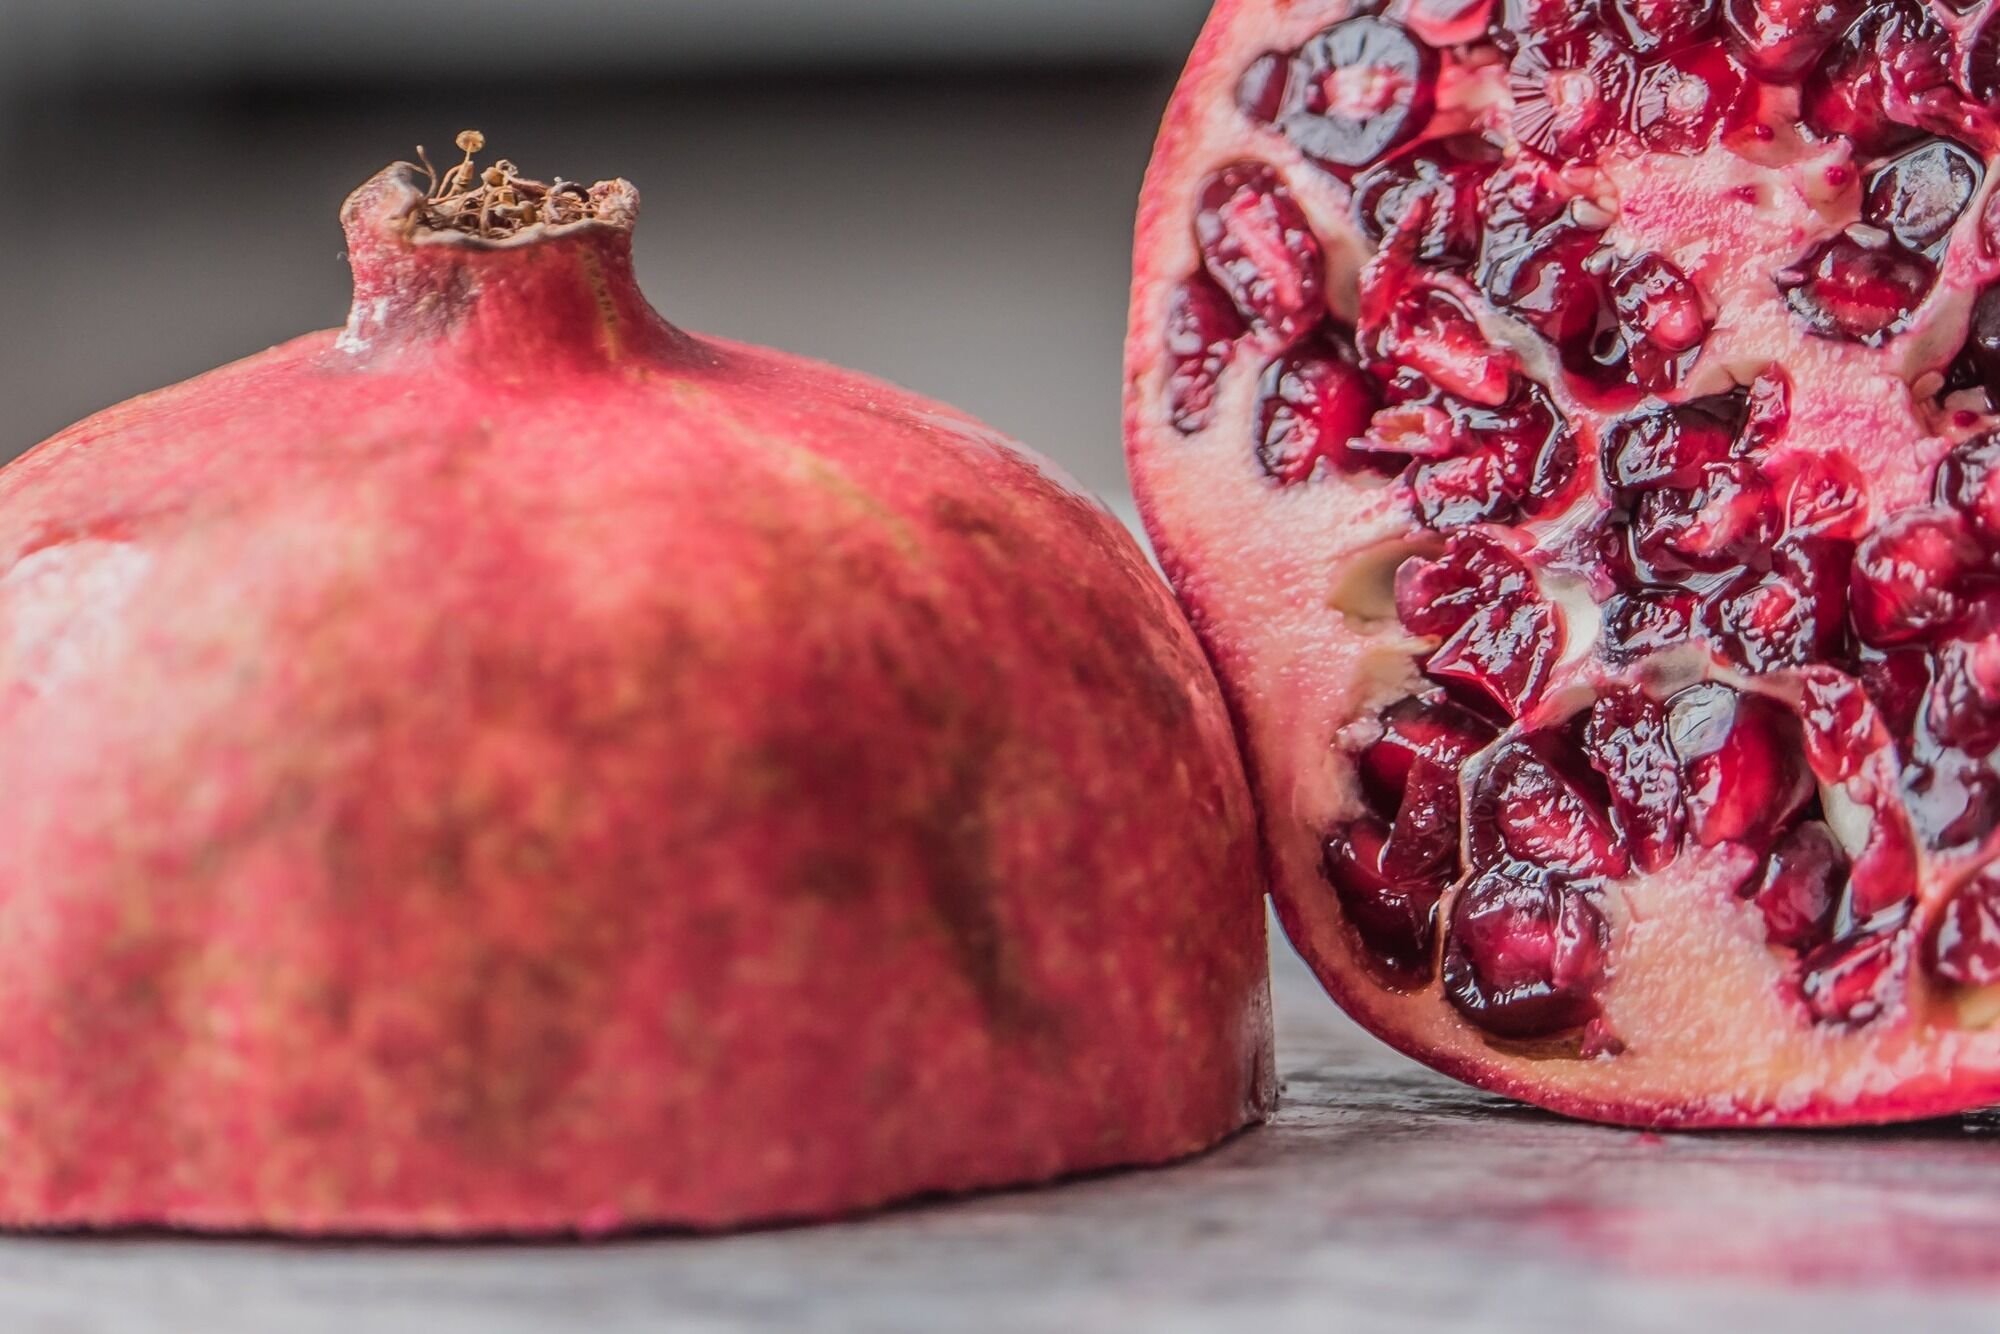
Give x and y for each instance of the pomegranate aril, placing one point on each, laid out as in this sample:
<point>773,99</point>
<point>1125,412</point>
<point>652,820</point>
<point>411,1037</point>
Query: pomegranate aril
<point>1507,650</point>
<point>1799,887</point>
<point>1907,576</point>
<point>1556,282</point>
<point>1781,39</point>
<point>1965,950</point>
<point>1858,289</point>
<point>1258,246</point>
<point>1655,25</point>
<point>1666,446</point>
<point>1883,79</point>
<point>1882,885</point>
<point>1314,405</point>
<point>1648,620</point>
<point>1920,196</point>
<point>1953,800</point>
<point>1358,90</point>
<point>1536,802</point>
<point>1962,709</point>
<point>1521,20</point>
<point>1431,332</point>
<point>1434,191</point>
<point>1397,922</point>
<point>1791,617</point>
<point>1456,493</point>
<point>1423,841</point>
<point>1896,683</point>
<point>1854,982</point>
<point>1571,95</point>
<point>1260,93</point>
<point>1969,481</point>
<point>1626,739</point>
<point>1524,956</point>
<point>1686,99</point>
<point>1979,360</point>
<point>1826,499</point>
<point>1977,70</point>
<point>1419,728</point>
<point>1742,764</point>
<point>1438,597</point>
<point>1728,517</point>
<point>1842,723</point>
<point>1203,327</point>
<point>1657,303</point>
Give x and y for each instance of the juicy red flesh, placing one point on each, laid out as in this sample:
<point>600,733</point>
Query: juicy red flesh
<point>1966,948</point>
<point>1356,91</point>
<point>1525,956</point>
<point>1920,196</point>
<point>1743,765</point>
<point>1259,248</point>
<point>1884,79</point>
<point>1314,404</point>
<point>1202,332</point>
<point>1857,290</point>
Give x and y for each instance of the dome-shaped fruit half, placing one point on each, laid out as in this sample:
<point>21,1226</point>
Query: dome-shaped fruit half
<point>514,766</point>
<point>1572,426</point>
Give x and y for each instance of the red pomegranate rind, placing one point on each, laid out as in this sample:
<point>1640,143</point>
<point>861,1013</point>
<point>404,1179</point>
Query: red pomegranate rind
<point>1687,325</point>
<point>514,767</point>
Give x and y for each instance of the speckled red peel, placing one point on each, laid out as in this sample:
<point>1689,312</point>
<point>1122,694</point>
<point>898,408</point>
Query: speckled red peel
<point>515,767</point>
<point>1571,425</point>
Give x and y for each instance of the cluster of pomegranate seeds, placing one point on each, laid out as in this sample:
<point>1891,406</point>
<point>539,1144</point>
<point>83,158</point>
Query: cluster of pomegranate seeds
<point>1772,672</point>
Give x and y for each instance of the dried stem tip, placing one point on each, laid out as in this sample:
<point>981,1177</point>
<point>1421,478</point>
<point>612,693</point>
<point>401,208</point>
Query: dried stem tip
<point>498,202</point>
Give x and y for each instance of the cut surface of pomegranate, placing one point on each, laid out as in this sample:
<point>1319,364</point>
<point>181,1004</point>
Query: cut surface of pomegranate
<point>513,766</point>
<point>1663,345</point>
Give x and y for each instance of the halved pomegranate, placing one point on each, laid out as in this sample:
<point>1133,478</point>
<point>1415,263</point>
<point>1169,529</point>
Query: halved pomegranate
<point>1584,469</point>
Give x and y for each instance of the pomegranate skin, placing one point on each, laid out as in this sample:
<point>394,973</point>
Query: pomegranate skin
<point>512,767</point>
<point>1702,1018</point>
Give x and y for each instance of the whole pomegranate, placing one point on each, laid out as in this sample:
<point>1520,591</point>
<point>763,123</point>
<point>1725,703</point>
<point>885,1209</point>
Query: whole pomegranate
<point>1572,426</point>
<point>514,766</point>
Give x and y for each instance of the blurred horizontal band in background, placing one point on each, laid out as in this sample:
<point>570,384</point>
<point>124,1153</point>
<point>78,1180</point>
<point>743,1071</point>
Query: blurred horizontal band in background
<point>939,192</point>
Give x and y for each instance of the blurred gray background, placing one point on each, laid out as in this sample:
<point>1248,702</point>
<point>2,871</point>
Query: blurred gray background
<point>939,192</point>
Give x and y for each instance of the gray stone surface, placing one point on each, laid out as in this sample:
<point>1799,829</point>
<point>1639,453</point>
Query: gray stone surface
<point>1383,1198</point>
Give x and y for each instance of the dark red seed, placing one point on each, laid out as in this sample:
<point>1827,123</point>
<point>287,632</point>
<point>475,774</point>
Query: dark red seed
<point>1953,800</point>
<point>1397,923</point>
<point>1314,405</point>
<point>1358,90</point>
<point>1530,438</point>
<point>1556,282</point>
<point>1978,68</point>
<point>1657,303</point>
<point>1792,616</point>
<point>1854,982</point>
<point>1826,499</point>
<point>1855,291</point>
<point>1258,246</point>
<point>1663,25</point>
<point>1431,332</point>
<point>1423,841</point>
<point>1648,620</point>
<point>1799,886</point>
<point>1688,98</point>
<point>1920,196</point>
<point>1536,802</point>
<point>1571,96</point>
<point>1962,708</point>
<point>1742,764</point>
<point>1896,682</point>
<point>1260,93</point>
<point>1965,950</point>
<point>1428,727</point>
<point>1882,886</point>
<point>1907,576</point>
<point>1202,328</point>
<point>1843,724</point>
<point>1507,650</point>
<point>1665,446</point>
<point>1525,955</point>
<point>1884,78</point>
<point>1980,357</point>
<point>1626,739</point>
<point>1439,597</point>
<point>1781,39</point>
<point>1969,482</point>
<point>1520,20</point>
<point>1433,192</point>
<point>1455,493</point>
<point>1729,517</point>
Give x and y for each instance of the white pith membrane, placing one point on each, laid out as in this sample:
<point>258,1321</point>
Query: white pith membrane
<point>1701,1018</point>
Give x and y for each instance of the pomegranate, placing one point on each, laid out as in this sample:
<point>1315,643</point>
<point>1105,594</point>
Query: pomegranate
<point>514,766</point>
<point>1614,626</point>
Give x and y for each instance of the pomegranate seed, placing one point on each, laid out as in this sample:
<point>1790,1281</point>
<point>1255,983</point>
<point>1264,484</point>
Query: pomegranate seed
<point>1884,77</point>
<point>1626,739</point>
<point>1508,650</point>
<point>1657,303</point>
<point>1919,197</point>
<point>1665,446</point>
<point>1535,802</point>
<point>1897,682</point>
<point>1202,329</point>
<point>1432,333</point>
<point>1685,99</point>
<point>1953,800</point>
<point>1842,723</point>
<point>1781,39</point>
<point>1648,620</point>
<point>1966,948</point>
<point>1314,403</point>
<point>1907,576</point>
<point>1978,69</point>
<point>1260,249</point>
<point>1969,481</point>
<point>1433,192</point>
<point>1360,89</point>
<point>1742,764</point>
<point>1862,293</point>
<point>1439,597</point>
<point>1981,354</point>
<point>1963,706</point>
<point>1417,728</point>
<point>1827,499</point>
<point>1791,617</point>
<point>1654,25</point>
<point>1882,886</point>
<point>1260,93</point>
<point>1769,412</point>
<point>1571,94</point>
<point>1729,516</point>
<point>1525,956</point>
<point>1854,981</point>
<point>1522,19</point>
<point>1456,493</point>
<point>1555,283</point>
<point>1423,841</point>
<point>1397,923</point>
<point>1799,886</point>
